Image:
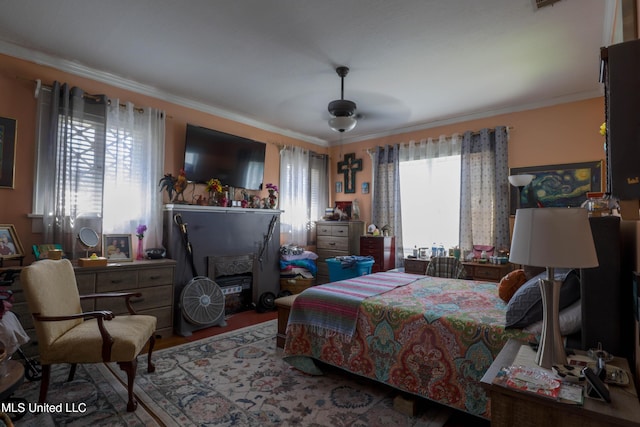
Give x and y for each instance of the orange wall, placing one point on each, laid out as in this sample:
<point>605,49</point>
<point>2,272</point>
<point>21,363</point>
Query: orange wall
<point>561,134</point>
<point>566,133</point>
<point>17,85</point>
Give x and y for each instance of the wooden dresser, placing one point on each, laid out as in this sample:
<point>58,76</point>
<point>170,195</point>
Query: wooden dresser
<point>382,249</point>
<point>152,278</point>
<point>336,238</point>
<point>474,270</point>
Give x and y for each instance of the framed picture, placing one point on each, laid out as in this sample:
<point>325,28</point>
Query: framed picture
<point>365,188</point>
<point>345,209</point>
<point>41,251</point>
<point>339,187</point>
<point>117,247</point>
<point>564,185</point>
<point>10,246</point>
<point>7,151</point>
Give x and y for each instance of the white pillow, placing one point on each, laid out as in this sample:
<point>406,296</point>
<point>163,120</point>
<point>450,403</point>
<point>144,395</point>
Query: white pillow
<point>570,321</point>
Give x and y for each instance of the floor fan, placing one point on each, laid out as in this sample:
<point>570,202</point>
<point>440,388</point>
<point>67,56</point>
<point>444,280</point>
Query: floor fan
<point>201,302</point>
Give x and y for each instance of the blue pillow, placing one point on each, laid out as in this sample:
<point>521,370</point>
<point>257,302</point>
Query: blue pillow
<point>525,307</point>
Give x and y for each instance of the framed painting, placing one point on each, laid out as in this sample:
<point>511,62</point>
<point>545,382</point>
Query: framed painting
<point>10,246</point>
<point>365,188</point>
<point>7,151</point>
<point>564,185</point>
<point>339,187</point>
<point>117,247</point>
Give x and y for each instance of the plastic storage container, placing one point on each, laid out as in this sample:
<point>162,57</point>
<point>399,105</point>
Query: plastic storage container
<point>336,272</point>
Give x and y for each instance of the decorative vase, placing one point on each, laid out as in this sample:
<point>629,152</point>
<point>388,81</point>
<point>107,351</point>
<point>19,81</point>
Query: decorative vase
<point>140,255</point>
<point>272,200</point>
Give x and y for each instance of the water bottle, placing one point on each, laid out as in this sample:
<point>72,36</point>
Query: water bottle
<point>415,251</point>
<point>434,250</point>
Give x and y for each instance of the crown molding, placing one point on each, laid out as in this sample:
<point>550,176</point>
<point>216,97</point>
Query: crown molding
<point>80,70</point>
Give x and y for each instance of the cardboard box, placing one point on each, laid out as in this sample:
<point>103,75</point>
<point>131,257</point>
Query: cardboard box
<point>92,262</point>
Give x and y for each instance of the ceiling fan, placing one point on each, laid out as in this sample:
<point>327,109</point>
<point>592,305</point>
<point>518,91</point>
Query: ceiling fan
<point>342,110</point>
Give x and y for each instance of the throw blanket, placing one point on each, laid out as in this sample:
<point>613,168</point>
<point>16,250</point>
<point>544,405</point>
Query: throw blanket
<point>332,309</point>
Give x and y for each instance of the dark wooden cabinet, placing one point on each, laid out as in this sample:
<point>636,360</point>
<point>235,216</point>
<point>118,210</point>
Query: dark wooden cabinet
<point>622,95</point>
<point>382,249</point>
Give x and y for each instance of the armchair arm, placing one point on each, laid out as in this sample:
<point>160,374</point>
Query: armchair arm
<point>126,295</point>
<point>100,315</point>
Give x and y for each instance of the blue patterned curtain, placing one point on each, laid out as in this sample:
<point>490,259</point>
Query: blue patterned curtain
<point>484,189</point>
<point>386,194</point>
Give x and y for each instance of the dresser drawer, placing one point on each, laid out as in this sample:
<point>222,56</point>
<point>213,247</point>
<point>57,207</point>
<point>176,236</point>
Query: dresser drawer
<point>333,243</point>
<point>151,298</point>
<point>341,230</point>
<point>155,277</point>
<point>116,281</point>
<point>324,230</point>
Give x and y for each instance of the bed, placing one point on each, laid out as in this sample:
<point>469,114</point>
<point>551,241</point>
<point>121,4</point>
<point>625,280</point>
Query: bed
<point>428,336</point>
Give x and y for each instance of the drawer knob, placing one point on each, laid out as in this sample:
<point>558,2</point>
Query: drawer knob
<point>116,281</point>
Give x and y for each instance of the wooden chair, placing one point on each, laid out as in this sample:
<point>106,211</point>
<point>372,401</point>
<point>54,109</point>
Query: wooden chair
<point>446,266</point>
<point>67,335</point>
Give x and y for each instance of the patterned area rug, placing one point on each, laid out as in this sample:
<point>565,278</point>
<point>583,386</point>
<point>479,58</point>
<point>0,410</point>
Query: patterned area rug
<point>239,379</point>
<point>95,397</point>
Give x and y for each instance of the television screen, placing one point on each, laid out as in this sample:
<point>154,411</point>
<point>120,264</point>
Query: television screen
<point>235,161</point>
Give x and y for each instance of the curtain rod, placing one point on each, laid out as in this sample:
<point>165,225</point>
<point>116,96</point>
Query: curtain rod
<point>473,133</point>
<point>40,85</point>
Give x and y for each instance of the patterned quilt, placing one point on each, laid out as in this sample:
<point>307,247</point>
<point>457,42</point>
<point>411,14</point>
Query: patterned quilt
<point>434,338</point>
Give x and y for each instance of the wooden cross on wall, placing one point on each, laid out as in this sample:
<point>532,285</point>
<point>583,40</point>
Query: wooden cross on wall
<point>349,166</point>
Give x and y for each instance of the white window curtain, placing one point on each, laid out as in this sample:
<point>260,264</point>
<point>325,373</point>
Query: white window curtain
<point>484,190</point>
<point>134,159</point>
<point>69,164</point>
<point>303,193</point>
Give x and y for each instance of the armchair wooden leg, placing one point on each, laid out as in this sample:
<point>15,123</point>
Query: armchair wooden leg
<point>72,372</point>
<point>150,366</point>
<point>44,383</point>
<point>130,369</point>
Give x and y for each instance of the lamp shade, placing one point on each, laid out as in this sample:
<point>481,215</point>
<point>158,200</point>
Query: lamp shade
<point>553,237</point>
<point>520,180</point>
<point>342,123</point>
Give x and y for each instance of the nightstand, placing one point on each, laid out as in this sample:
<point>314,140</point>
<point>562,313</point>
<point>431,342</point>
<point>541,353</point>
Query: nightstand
<point>511,407</point>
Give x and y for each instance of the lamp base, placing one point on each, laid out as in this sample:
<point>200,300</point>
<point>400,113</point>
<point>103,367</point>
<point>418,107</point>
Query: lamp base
<point>551,349</point>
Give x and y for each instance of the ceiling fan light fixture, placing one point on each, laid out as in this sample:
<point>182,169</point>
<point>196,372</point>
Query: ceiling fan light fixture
<point>343,109</point>
<point>342,123</point>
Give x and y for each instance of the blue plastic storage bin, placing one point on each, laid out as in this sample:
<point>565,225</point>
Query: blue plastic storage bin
<point>336,272</point>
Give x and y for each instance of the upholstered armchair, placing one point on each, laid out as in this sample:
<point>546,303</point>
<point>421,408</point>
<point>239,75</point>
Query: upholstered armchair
<point>67,335</point>
<point>446,266</point>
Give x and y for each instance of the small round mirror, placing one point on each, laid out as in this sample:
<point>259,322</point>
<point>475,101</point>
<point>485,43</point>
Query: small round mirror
<point>88,237</point>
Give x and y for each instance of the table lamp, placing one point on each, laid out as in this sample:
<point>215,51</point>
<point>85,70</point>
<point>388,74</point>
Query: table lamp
<point>552,238</point>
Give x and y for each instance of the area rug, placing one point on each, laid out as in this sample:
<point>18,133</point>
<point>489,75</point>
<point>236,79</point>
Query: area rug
<point>94,398</point>
<point>239,379</point>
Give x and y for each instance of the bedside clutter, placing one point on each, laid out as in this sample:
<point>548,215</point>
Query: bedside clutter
<point>297,269</point>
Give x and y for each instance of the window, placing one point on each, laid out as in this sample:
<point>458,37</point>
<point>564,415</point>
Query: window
<point>101,168</point>
<point>430,202</point>
<point>85,151</point>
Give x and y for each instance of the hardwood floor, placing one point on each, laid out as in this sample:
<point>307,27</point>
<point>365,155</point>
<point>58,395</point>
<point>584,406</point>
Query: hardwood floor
<point>234,321</point>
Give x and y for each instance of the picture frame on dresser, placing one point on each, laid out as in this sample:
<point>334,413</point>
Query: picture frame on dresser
<point>10,246</point>
<point>117,247</point>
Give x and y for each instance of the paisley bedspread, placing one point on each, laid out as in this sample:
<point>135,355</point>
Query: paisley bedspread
<point>434,338</point>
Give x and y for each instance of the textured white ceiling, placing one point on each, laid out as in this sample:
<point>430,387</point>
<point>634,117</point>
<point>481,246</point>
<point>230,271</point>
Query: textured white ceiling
<point>414,63</point>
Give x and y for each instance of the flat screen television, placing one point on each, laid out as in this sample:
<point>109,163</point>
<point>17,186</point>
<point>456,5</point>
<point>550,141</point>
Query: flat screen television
<point>235,161</point>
